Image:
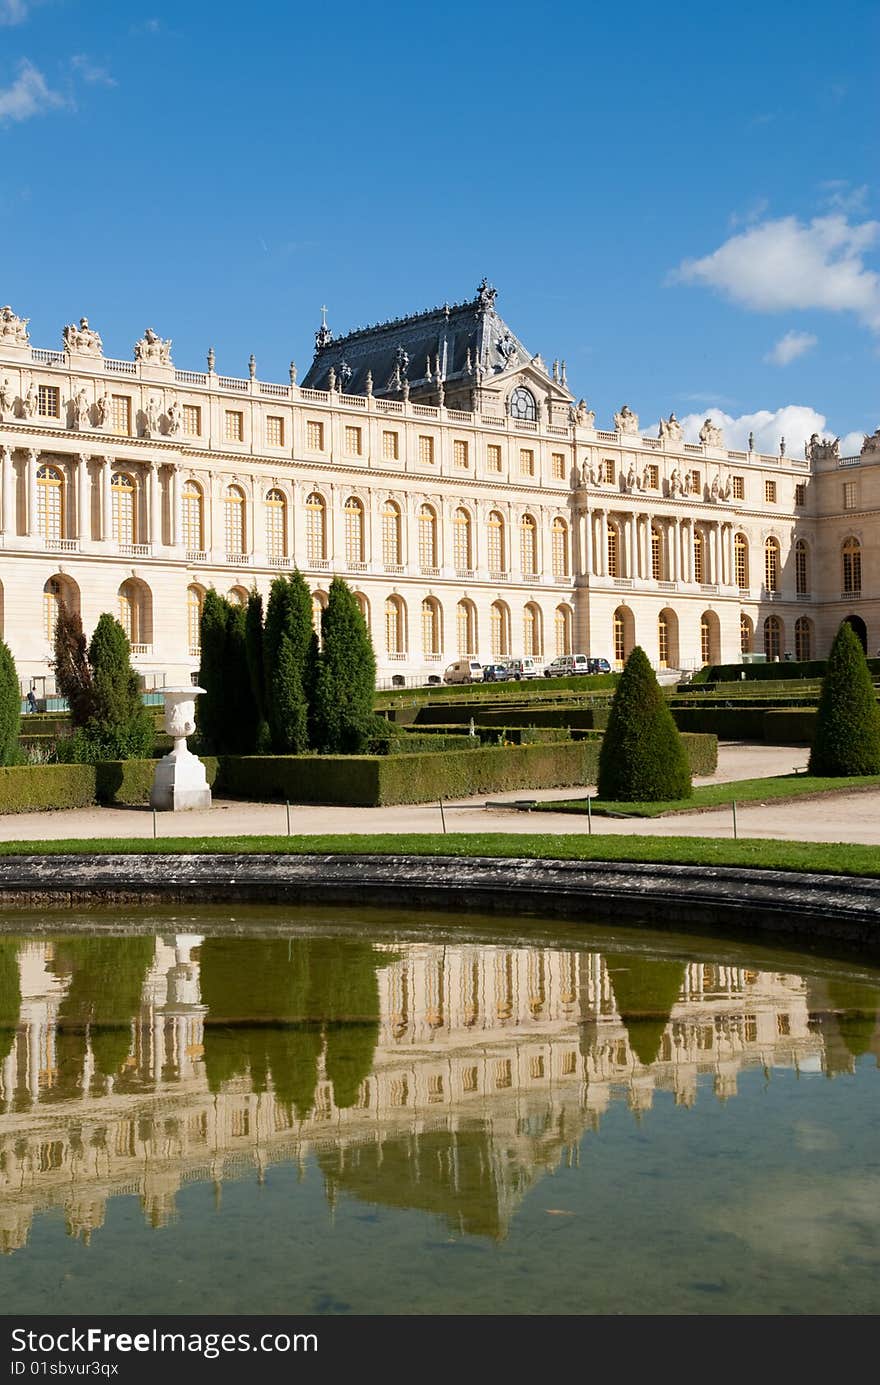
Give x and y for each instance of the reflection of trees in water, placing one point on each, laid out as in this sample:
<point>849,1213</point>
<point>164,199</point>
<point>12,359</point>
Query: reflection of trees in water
<point>106,981</point>
<point>645,991</point>
<point>275,1005</point>
<point>845,1013</point>
<point>10,996</point>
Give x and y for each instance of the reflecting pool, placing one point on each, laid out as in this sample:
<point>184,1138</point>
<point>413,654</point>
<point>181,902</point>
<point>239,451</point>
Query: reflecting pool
<point>292,1111</point>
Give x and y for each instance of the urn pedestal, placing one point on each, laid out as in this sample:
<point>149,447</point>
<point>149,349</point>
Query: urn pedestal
<point>180,781</point>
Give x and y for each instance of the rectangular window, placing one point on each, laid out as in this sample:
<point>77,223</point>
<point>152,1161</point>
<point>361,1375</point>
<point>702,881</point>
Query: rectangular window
<point>192,419</point>
<point>426,451</point>
<point>800,493</point>
<point>526,462</point>
<point>352,441</point>
<point>770,492</point>
<point>610,471</point>
<point>557,466</point>
<point>391,446</point>
<point>121,414</point>
<point>47,401</point>
<point>274,431</point>
<point>234,426</point>
<point>696,483</point>
<point>314,435</point>
<point>460,453</point>
<point>739,488</point>
<point>493,456</point>
<point>849,495</point>
<point>652,480</point>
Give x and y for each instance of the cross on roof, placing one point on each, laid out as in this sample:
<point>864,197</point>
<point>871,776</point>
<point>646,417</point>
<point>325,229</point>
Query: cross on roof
<point>323,315</point>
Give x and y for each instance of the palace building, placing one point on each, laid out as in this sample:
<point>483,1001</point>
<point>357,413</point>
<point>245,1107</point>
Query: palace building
<point>445,472</point>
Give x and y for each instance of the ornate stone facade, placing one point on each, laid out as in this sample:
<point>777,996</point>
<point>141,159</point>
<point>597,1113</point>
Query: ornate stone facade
<point>455,483</point>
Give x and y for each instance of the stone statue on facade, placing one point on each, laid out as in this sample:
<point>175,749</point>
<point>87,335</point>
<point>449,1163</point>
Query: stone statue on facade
<point>715,491</point>
<point>80,410</point>
<point>13,329</point>
<point>29,403</point>
<point>711,435</point>
<point>105,410</point>
<point>871,443</point>
<point>822,449</point>
<point>728,489</point>
<point>632,480</point>
<point>507,348</point>
<point>486,296</point>
<point>152,349</point>
<point>84,340</point>
<point>174,415</point>
<point>151,419</point>
<point>293,372</point>
<point>751,442</point>
<point>677,485</point>
<point>670,429</point>
<point>331,379</point>
<point>7,400</point>
<point>626,421</point>
<point>582,416</point>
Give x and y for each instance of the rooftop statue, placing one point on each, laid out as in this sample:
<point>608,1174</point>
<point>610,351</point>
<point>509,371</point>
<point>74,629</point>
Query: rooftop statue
<point>582,416</point>
<point>711,435</point>
<point>13,329</point>
<point>82,339</point>
<point>872,441</point>
<point>626,421</point>
<point>507,348</point>
<point>152,348</point>
<point>486,295</point>
<point>822,449</point>
<point>670,429</point>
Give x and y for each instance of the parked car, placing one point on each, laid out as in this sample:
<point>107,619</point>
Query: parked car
<point>525,667</point>
<point>496,673</point>
<point>599,666</point>
<point>567,664</point>
<point>464,671</point>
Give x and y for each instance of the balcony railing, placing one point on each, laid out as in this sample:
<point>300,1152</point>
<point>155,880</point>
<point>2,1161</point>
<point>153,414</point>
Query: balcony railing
<point>141,651</point>
<point>499,576</point>
<point>196,555</point>
<point>279,562</point>
<point>430,571</point>
<point>463,573</point>
<point>136,550</point>
<point>238,559</point>
<point>62,545</point>
<point>851,596</point>
<point>396,569</point>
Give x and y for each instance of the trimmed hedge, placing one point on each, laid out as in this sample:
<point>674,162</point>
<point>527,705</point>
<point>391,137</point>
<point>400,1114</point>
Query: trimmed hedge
<point>807,668</point>
<point>580,682</point>
<point>127,783</point>
<point>730,723</point>
<point>792,727</point>
<point>33,788</point>
<point>701,751</point>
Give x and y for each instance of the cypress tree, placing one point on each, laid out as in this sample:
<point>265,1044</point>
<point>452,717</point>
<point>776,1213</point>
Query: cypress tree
<point>645,990</point>
<point>241,719</point>
<point>70,664</point>
<point>643,757</point>
<point>10,707</point>
<point>212,707</point>
<point>847,736</point>
<point>345,683</point>
<point>287,657</point>
<point>120,726</point>
<point>256,668</point>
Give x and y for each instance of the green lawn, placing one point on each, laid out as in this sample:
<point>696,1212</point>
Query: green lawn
<point>717,795</point>
<point>824,857</point>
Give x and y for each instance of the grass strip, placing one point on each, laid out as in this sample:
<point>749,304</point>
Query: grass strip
<point>719,795</point>
<point>834,858</point>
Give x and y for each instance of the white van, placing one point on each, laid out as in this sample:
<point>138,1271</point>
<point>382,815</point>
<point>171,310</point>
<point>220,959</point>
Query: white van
<point>567,664</point>
<point>464,671</point>
<point>526,667</point>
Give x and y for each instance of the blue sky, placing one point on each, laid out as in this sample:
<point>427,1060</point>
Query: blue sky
<point>680,200</point>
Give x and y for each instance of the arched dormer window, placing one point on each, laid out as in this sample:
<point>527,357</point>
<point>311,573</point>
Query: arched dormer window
<point>522,404</point>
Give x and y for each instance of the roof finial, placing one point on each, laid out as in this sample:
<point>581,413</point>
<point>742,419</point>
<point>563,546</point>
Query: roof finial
<point>323,336</point>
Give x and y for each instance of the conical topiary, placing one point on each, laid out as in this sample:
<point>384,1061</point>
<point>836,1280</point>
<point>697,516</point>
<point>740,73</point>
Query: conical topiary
<point>643,758</point>
<point>847,735</point>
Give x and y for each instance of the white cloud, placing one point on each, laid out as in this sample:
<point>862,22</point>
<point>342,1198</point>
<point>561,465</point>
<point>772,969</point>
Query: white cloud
<point>784,264</point>
<point>13,11</point>
<point>91,72</point>
<point>851,444</point>
<point>843,196</point>
<point>794,422</point>
<point>29,95</point>
<point>789,347</point>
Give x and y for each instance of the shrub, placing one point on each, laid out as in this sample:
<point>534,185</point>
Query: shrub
<point>31,788</point>
<point>253,641</point>
<point>70,664</point>
<point>289,654</point>
<point>120,727</point>
<point>212,709</point>
<point>642,759</point>
<point>847,735</point>
<point>10,707</point>
<point>345,681</point>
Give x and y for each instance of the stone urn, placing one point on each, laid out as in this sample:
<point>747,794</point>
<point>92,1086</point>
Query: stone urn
<point>180,781</point>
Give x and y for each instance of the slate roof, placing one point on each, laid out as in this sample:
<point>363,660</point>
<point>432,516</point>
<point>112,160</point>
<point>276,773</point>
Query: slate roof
<point>459,335</point>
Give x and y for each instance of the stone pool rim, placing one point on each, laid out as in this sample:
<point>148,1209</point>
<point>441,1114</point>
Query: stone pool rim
<point>795,904</point>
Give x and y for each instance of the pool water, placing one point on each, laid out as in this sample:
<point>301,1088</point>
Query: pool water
<point>340,1111</point>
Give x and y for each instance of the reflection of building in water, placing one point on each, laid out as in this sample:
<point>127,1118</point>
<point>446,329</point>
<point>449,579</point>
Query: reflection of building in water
<point>490,1062</point>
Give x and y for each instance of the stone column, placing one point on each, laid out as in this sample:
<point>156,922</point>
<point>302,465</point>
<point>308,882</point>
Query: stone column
<point>106,500</point>
<point>716,554</point>
<point>8,514</point>
<point>602,541</point>
<point>176,491</point>
<point>676,548</point>
<point>33,458</point>
<point>731,575</point>
<point>633,547</point>
<point>587,559</point>
<point>154,507</point>
<point>83,496</point>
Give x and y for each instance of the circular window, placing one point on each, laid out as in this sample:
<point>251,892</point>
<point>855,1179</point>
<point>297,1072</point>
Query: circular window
<point>522,404</point>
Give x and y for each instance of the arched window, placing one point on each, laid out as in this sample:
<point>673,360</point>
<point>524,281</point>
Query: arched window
<point>276,526</point>
<point>772,637</point>
<point>50,503</point>
<point>801,568</point>
<point>710,638</point>
<point>663,640</point>
<point>52,602</point>
<point>193,515</point>
<point>522,404</point>
<point>461,541</point>
<point>497,546</point>
<point>395,626</point>
<point>363,607</point>
<point>745,634</point>
<point>316,528</point>
<point>136,614</point>
<point>559,535</point>
<point>500,630</point>
<point>432,634</point>
<point>237,596</point>
<point>771,565</point>
<point>699,556</point>
<point>562,629</point>
<point>319,606</point>
<point>613,551</point>
<point>852,567</point>
<point>466,628</point>
<point>533,635</point>
<point>741,561</point>
<point>122,499</point>
<point>656,554</point>
<point>391,534</point>
<point>235,521</point>
<point>195,598</point>
<point>623,634</point>
<point>528,545</point>
<point>427,538</point>
<point>354,532</point>
<point>803,638</point>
